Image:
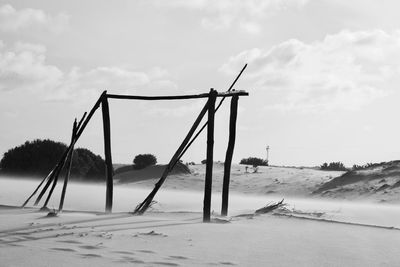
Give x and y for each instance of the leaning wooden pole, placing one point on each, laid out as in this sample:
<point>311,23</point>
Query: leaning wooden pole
<point>107,152</point>
<point>82,125</point>
<point>142,207</point>
<point>54,174</point>
<point>69,165</point>
<point>37,188</point>
<point>210,152</point>
<point>216,109</point>
<point>68,159</point>
<point>229,155</point>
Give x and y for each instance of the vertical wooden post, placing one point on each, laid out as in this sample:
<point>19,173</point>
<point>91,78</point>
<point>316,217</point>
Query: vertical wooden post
<point>229,155</point>
<point>210,150</point>
<point>69,165</point>
<point>107,152</point>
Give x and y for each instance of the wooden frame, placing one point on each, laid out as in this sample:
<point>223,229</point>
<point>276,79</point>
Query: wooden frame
<point>209,108</point>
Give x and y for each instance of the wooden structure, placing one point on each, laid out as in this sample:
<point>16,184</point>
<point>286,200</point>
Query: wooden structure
<point>209,108</point>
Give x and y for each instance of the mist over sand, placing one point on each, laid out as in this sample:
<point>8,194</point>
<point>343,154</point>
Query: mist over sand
<point>309,231</point>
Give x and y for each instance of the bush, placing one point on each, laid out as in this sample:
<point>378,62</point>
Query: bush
<point>254,162</point>
<point>144,160</point>
<point>361,167</point>
<point>333,166</point>
<point>38,157</point>
<point>86,164</point>
<point>204,161</point>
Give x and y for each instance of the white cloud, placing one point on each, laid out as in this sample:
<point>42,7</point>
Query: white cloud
<point>24,67</point>
<point>344,71</point>
<point>12,20</point>
<point>243,14</point>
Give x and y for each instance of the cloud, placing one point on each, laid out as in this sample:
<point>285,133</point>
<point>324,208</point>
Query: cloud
<point>23,67</point>
<point>343,71</point>
<point>13,20</point>
<point>242,14</point>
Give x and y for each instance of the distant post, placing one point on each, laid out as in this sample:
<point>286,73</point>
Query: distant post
<point>229,155</point>
<point>210,151</point>
<point>107,152</point>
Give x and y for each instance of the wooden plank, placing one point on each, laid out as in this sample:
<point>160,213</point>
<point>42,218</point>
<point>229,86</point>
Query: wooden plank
<point>210,158</point>
<point>229,155</point>
<point>107,152</point>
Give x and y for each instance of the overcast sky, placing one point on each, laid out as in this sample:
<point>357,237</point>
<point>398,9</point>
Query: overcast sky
<point>323,76</point>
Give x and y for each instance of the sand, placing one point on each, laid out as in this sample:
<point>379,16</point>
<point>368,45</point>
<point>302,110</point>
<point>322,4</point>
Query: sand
<point>309,231</point>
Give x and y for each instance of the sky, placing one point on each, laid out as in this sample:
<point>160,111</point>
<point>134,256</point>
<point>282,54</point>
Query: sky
<point>322,76</point>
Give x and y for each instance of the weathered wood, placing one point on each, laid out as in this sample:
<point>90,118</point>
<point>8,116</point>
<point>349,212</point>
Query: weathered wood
<point>177,97</point>
<point>69,165</point>
<point>81,121</point>
<point>210,157</point>
<point>61,162</point>
<point>218,106</point>
<point>51,178</point>
<point>55,180</point>
<point>229,155</point>
<point>142,207</point>
<point>107,153</point>
<point>37,188</point>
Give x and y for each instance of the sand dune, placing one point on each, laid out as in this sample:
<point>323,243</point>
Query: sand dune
<point>379,182</point>
<point>309,231</point>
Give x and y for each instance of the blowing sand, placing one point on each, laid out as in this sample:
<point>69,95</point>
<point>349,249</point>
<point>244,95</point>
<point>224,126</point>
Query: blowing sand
<point>309,231</point>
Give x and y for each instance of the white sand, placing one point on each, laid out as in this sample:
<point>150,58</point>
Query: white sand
<point>309,232</point>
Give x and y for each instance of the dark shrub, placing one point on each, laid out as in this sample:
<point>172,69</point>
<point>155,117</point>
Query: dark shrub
<point>254,162</point>
<point>333,166</point>
<point>204,161</point>
<point>38,157</point>
<point>87,165</point>
<point>143,160</point>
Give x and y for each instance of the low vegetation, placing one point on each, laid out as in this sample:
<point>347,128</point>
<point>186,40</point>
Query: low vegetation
<point>38,157</point>
<point>333,166</point>
<point>361,167</point>
<point>144,160</point>
<point>254,161</point>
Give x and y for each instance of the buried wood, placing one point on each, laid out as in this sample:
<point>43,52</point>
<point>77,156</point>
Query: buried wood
<point>270,207</point>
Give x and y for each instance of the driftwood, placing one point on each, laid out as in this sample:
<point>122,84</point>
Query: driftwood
<point>270,207</point>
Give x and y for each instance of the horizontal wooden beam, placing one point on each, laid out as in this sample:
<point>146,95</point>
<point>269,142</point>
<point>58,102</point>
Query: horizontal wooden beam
<point>177,97</point>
